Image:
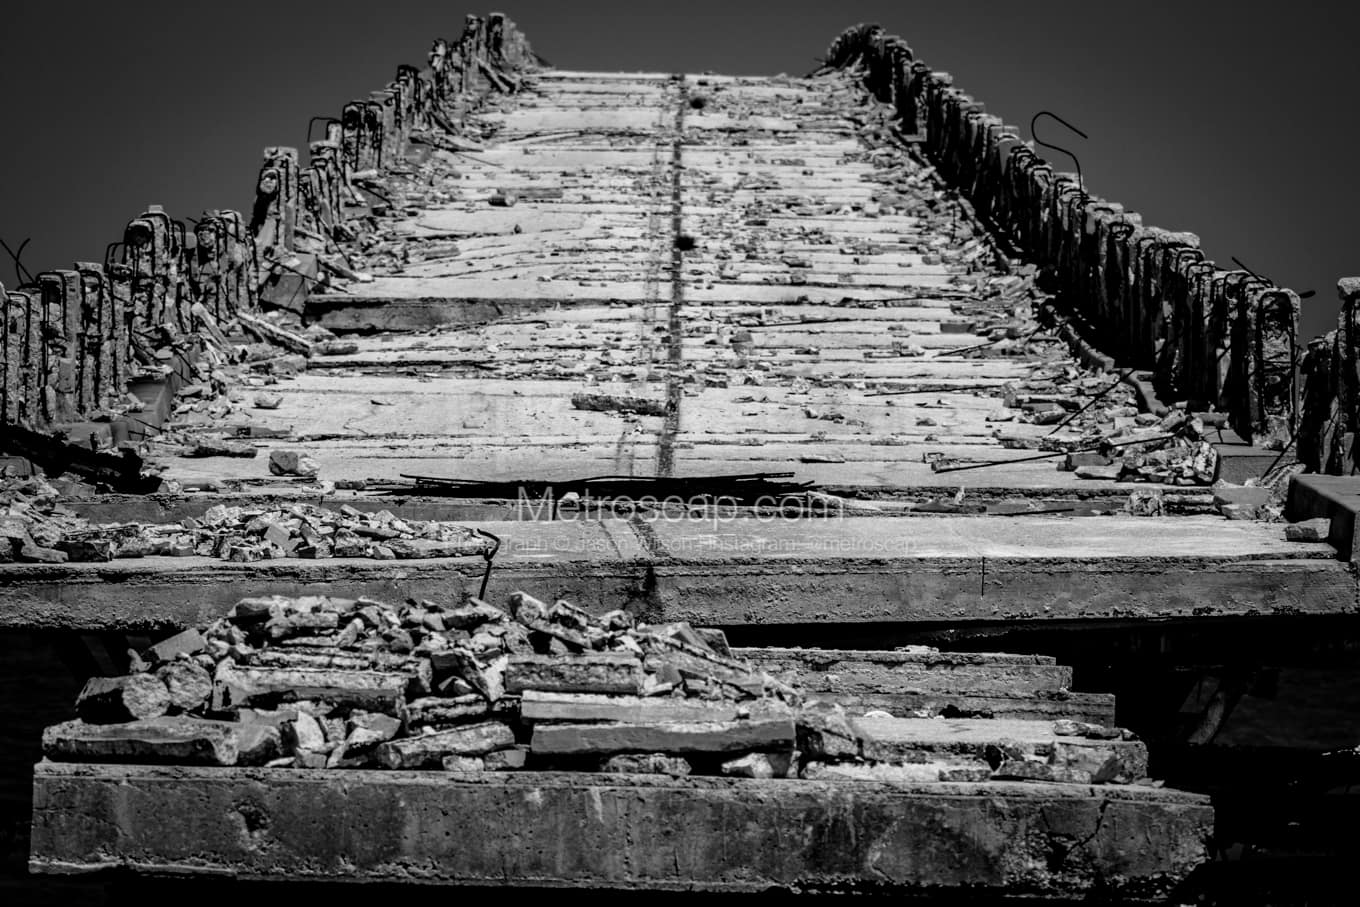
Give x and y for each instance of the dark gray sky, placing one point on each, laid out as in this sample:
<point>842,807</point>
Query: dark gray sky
<point>1235,122</point>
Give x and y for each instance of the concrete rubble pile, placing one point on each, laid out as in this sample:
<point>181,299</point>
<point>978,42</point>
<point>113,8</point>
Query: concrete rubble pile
<point>36,527</point>
<point>324,682</point>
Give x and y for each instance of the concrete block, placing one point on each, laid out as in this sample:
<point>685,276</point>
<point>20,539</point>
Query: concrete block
<point>673,737</point>
<point>630,832</point>
<point>591,673</point>
<point>429,749</point>
<point>167,739</point>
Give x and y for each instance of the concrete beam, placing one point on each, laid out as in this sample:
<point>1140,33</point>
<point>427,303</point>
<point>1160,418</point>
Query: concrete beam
<point>752,573</point>
<point>623,832</point>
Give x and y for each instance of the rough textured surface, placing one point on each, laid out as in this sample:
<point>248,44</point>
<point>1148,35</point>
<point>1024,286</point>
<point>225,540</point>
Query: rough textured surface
<point>645,832</point>
<point>751,572</point>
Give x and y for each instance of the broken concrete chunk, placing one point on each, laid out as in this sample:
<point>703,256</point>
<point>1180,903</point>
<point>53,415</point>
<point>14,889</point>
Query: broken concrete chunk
<point>292,463</point>
<point>439,710</point>
<point>1107,761</point>
<point>1030,770</point>
<point>258,743</point>
<point>759,765</point>
<point>667,737</point>
<point>537,705</point>
<point>430,749</point>
<point>1309,531</point>
<point>463,764</point>
<point>378,691</point>
<point>189,684</point>
<point>506,760</point>
<point>304,733</point>
<point>618,403</point>
<point>600,672</point>
<point>1065,727</point>
<point>112,700</point>
<point>189,642</point>
<point>368,729</point>
<point>646,764</point>
<point>167,739</point>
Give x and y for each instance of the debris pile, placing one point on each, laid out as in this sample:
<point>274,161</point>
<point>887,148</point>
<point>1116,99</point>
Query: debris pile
<point>36,527</point>
<point>324,682</point>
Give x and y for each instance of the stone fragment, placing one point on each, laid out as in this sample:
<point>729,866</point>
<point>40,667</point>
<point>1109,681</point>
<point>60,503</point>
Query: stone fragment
<point>292,463</point>
<point>905,773</point>
<point>1030,770</point>
<point>112,700</point>
<point>189,684</point>
<point>33,553</point>
<point>368,729</point>
<point>304,732</point>
<point>167,739</point>
<point>506,760</point>
<point>429,749</point>
<point>188,642</point>
<point>536,705</point>
<point>1065,727</point>
<point>759,765</point>
<point>258,743</point>
<point>827,734</point>
<point>603,672</point>
<point>1309,530</point>
<point>664,737</point>
<point>218,447</point>
<point>463,764</point>
<point>378,691</point>
<point>440,710</point>
<point>646,764</point>
<point>1107,761</point>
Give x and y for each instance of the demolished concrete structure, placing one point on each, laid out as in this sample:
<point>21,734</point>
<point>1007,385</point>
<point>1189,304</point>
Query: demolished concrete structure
<point>834,365</point>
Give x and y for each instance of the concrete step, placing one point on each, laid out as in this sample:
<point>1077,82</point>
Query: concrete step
<point>635,832</point>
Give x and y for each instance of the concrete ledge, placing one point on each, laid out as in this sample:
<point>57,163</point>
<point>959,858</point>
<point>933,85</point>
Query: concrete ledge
<point>750,573</point>
<point>1336,498</point>
<point>611,831</point>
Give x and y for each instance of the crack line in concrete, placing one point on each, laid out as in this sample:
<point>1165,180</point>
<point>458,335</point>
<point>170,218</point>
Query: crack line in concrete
<point>665,457</point>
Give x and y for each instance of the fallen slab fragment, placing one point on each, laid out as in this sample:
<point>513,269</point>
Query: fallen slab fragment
<point>663,737</point>
<point>907,740</point>
<point>911,669</point>
<point>167,739</point>
<point>634,832</point>
<point>110,700</point>
<point>578,707</point>
<point>592,673</point>
<point>431,749</point>
<point>378,691</point>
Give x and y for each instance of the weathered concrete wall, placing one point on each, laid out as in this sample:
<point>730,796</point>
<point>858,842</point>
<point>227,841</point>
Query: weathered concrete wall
<point>635,831</point>
<point>1215,336</point>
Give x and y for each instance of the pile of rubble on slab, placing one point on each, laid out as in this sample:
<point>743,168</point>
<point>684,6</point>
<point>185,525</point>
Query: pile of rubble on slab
<point>36,527</point>
<point>319,682</point>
